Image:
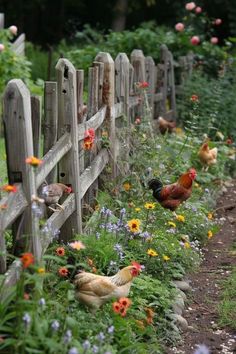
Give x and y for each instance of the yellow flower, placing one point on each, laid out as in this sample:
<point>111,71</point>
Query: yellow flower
<point>187,245</point>
<point>41,270</point>
<point>197,185</point>
<point>152,253</point>
<point>134,225</point>
<point>137,209</point>
<point>171,223</point>
<point>210,234</point>
<point>210,216</point>
<point>77,245</point>
<point>149,206</point>
<point>180,218</point>
<point>127,186</point>
<point>165,258</point>
<point>179,131</point>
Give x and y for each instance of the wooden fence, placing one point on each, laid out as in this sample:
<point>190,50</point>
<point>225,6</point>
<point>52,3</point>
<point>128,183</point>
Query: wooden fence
<point>112,93</point>
<point>19,44</point>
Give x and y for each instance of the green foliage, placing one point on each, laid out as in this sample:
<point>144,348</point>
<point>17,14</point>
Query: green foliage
<point>227,306</point>
<point>12,65</point>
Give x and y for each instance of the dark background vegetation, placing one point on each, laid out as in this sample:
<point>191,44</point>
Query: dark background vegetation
<point>46,22</point>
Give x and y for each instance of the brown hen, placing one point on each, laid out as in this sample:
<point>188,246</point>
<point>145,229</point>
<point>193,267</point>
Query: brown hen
<point>52,193</point>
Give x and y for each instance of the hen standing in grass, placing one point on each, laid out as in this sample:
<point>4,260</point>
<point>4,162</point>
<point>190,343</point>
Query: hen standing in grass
<point>52,193</point>
<point>172,195</point>
<point>95,290</point>
<point>207,156</point>
<point>166,125</point>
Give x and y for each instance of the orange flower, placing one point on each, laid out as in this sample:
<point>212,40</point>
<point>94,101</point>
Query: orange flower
<point>77,245</point>
<point>149,312</point>
<point>125,302</point>
<point>60,251</point>
<point>116,307</point>
<point>33,161</point>
<point>88,143</point>
<point>63,271</point>
<point>3,207</point>
<point>94,270</point>
<point>27,259</point>
<point>9,188</point>
<point>90,262</point>
<point>123,311</point>
<point>149,320</point>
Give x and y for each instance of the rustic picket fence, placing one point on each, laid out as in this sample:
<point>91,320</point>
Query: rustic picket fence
<point>19,44</point>
<point>112,94</point>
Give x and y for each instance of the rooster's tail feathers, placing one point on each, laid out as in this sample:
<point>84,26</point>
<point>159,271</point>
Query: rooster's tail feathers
<point>156,185</point>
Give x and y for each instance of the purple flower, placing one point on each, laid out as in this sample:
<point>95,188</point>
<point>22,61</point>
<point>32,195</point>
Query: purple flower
<point>122,211</point>
<point>73,350</point>
<point>97,235</point>
<point>101,336</point>
<point>95,349</point>
<point>86,345</point>
<point>144,234</point>
<point>68,336</point>
<point>26,319</point>
<point>36,209</point>
<point>110,329</point>
<point>55,325</point>
<point>42,302</point>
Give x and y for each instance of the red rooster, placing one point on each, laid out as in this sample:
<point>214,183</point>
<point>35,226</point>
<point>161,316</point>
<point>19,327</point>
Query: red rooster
<point>172,195</point>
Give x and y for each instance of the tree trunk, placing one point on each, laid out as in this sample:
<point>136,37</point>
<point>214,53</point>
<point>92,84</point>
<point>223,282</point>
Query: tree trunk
<point>120,14</point>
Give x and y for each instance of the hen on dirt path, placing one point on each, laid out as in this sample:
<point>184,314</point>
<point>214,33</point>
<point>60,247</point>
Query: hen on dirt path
<point>201,309</point>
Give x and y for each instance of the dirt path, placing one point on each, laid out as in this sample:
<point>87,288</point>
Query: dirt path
<point>201,312</point>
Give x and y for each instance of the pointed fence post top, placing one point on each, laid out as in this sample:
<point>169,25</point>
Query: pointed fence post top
<point>104,57</point>
<point>66,66</point>
<point>15,88</point>
<point>122,57</point>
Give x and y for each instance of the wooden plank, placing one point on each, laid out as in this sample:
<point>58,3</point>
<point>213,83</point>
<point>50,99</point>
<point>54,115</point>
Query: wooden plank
<point>171,86</point>
<point>108,99</point>
<point>131,79</point>
<point>3,252</point>
<point>150,78</point>
<point>19,45</point>
<point>69,170</point>
<point>19,137</point>
<point>100,81</point>
<point>50,122</point>
<point>36,123</point>
<point>1,20</point>
<point>92,172</point>
<point>80,91</point>
<point>164,69</point>
<point>16,203</point>
<point>11,277</point>
<point>117,110</point>
<point>133,101</point>
<point>52,157</point>
<point>158,97</point>
<point>94,122</point>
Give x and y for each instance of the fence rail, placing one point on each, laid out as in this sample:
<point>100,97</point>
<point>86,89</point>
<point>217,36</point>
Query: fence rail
<point>112,93</point>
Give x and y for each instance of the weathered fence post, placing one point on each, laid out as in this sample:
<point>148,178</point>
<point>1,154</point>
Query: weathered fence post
<point>1,20</point>
<point>36,123</point>
<point>69,170</point>
<point>50,122</point>
<point>138,62</point>
<point>122,67</point>
<point>108,100</point>
<point>151,79</point>
<point>19,138</point>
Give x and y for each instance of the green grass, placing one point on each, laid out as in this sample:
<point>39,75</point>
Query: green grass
<point>3,164</point>
<point>227,306</point>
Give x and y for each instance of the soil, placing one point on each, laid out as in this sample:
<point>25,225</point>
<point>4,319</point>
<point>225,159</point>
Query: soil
<point>206,284</point>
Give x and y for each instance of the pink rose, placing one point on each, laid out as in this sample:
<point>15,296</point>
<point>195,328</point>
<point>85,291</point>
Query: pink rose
<point>198,10</point>
<point>195,40</point>
<point>13,30</point>
<point>190,6</point>
<point>179,27</point>
<point>2,47</point>
<point>214,40</point>
<point>218,22</point>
